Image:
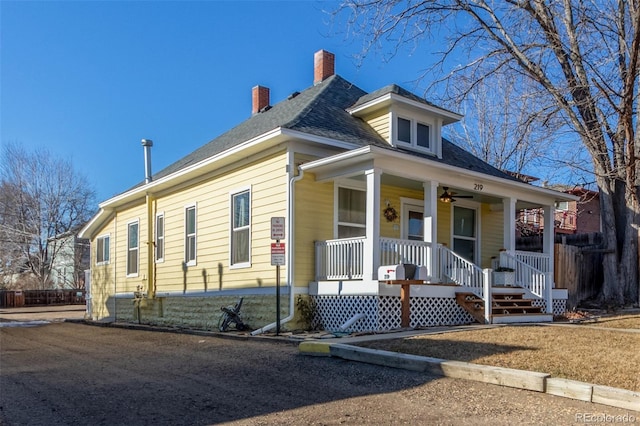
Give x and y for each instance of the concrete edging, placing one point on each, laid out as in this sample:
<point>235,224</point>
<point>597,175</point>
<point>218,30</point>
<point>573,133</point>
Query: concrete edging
<point>521,379</point>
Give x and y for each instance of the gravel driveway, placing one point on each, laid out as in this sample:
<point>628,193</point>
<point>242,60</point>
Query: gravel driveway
<point>76,374</point>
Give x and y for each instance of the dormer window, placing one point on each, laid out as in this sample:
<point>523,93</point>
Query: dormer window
<point>413,133</point>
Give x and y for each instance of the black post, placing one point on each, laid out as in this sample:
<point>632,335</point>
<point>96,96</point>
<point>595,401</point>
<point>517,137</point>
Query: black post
<point>277,297</point>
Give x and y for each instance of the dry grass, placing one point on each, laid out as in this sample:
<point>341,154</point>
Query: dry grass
<point>626,321</point>
<point>594,355</point>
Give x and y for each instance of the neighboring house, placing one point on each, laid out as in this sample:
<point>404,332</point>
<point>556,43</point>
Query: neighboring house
<point>72,258</point>
<point>362,179</point>
<point>579,216</point>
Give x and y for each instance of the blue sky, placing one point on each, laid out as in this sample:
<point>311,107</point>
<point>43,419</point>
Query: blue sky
<point>88,80</point>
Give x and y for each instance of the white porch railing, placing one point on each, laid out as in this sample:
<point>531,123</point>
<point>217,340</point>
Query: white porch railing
<point>394,252</point>
<point>539,261</point>
<point>538,281</point>
<point>526,275</point>
<point>461,271</point>
<point>341,259</point>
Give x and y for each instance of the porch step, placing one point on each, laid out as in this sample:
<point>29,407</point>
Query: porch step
<point>505,308</point>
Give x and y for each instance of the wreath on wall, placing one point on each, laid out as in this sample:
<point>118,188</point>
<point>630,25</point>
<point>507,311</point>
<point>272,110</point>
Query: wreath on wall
<point>390,213</point>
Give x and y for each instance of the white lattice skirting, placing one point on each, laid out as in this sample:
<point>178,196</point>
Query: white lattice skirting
<point>382,313</point>
<point>559,305</point>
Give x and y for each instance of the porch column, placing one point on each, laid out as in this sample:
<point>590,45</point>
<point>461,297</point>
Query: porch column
<point>371,259</point>
<point>431,225</point>
<point>509,231</point>
<point>548,240</point>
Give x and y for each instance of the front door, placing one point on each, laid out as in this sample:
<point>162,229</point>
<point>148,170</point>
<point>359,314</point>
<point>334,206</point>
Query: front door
<point>465,232</point>
<point>412,222</point>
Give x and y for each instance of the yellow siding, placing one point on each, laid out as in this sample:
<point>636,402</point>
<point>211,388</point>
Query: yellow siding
<point>102,276</point>
<point>267,179</point>
<point>393,195</point>
<point>313,222</point>
<point>444,224</point>
<point>380,123</point>
<point>492,234</point>
<point>124,283</point>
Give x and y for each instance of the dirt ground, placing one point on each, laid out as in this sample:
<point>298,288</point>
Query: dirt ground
<point>76,374</point>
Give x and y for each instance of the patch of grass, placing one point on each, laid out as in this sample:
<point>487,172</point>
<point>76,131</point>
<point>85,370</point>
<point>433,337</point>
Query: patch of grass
<point>605,357</point>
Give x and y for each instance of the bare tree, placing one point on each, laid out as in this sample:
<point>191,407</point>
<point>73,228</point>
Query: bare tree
<point>41,197</point>
<point>500,125</point>
<point>583,58</point>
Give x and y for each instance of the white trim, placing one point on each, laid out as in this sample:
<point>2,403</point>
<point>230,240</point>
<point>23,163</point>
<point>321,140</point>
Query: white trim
<point>186,261</point>
<point>155,237</point>
<point>414,121</point>
<point>137,273</point>
<point>455,176</point>
<point>387,98</point>
<point>232,193</point>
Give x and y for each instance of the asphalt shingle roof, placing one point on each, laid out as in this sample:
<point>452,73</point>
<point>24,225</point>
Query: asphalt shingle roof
<point>321,111</point>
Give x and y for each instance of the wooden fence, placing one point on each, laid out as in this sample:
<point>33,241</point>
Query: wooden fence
<point>579,270</point>
<point>16,299</point>
<point>577,263</point>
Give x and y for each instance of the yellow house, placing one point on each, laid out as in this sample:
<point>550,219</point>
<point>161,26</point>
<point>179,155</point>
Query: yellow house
<point>363,182</point>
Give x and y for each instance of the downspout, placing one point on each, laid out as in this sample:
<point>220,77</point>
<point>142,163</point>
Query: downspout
<point>290,265</point>
<point>147,144</point>
<point>151,288</point>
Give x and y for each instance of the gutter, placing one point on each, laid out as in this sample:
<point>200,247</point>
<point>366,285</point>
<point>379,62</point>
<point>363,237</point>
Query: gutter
<point>290,267</point>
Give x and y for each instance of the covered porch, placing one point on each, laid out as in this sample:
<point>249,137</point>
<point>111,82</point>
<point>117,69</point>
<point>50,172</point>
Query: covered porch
<point>459,224</point>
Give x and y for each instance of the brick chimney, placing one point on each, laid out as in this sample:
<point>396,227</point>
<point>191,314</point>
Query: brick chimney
<point>260,98</point>
<point>323,66</point>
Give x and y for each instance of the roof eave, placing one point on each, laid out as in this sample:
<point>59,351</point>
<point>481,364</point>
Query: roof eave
<point>387,99</point>
<point>370,152</point>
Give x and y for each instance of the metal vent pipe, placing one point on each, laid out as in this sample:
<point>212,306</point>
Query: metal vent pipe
<point>147,144</point>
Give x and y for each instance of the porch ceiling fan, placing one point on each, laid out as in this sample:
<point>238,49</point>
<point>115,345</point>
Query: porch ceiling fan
<point>448,197</point>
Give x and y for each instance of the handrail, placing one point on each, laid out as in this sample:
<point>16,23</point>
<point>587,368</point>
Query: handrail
<point>460,271</point>
<point>527,276</point>
<point>539,261</point>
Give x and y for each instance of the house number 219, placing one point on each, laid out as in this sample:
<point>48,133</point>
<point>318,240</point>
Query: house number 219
<point>477,186</point>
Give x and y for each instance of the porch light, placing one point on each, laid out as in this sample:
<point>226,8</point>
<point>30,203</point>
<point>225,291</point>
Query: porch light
<point>447,197</point>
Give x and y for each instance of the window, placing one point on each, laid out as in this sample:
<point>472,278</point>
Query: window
<point>404,130</point>
<point>190,235</point>
<point>464,232</point>
<point>240,228</point>
<point>132,249</point>
<point>159,237</point>
<point>422,139</point>
<point>102,250</point>
<point>562,205</point>
<point>413,133</point>
<point>352,216</point>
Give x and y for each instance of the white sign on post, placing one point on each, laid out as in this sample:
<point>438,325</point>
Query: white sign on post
<point>277,228</point>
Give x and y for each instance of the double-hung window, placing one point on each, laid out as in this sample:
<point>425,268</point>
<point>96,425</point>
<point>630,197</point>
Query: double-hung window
<point>414,133</point>
<point>102,250</point>
<point>159,242</point>
<point>190,235</point>
<point>241,228</point>
<point>133,248</point>
<point>352,218</point>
